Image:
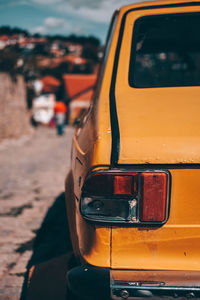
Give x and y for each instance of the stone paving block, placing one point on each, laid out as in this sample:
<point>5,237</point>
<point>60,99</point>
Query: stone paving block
<point>32,175</point>
<point>13,292</point>
<point>20,267</point>
<point>11,281</point>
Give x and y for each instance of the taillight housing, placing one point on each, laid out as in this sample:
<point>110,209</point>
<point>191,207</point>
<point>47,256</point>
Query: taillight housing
<point>135,197</point>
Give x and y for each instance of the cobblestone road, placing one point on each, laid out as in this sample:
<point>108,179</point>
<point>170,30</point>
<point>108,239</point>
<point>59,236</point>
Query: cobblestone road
<point>31,178</point>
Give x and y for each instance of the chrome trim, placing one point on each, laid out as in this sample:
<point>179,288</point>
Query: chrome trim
<point>141,290</point>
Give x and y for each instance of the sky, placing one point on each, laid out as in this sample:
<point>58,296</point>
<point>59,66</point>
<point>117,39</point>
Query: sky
<point>81,17</point>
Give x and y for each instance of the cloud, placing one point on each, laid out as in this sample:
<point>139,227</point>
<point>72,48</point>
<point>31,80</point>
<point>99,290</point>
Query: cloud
<point>74,3</point>
<point>98,11</point>
<point>49,24</point>
<point>79,16</point>
<point>39,30</point>
<point>69,16</point>
<point>46,2</point>
<point>54,22</point>
<point>9,3</point>
<point>86,3</point>
<point>54,25</point>
<point>100,15</point>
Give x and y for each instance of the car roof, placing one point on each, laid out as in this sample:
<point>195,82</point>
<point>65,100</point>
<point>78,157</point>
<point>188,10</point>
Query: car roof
<point>156,3</point>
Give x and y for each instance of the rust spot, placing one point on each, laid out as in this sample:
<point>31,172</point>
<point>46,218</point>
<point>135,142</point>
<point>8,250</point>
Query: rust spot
<point>31,270</point>
<point>133,203</point>
<point>185,253</point>
<point>148,228</point>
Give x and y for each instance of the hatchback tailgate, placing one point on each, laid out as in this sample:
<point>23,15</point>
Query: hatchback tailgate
<point>173,246</point>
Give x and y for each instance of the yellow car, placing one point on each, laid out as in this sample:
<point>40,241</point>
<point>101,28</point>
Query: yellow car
<point>132,195</point>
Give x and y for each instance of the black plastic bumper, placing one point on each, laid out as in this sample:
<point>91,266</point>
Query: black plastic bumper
<point>89,282</point>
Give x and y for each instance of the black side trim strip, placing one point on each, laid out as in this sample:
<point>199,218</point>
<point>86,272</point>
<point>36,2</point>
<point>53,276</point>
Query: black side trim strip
<point>183,166</point>
<point>113,109</point>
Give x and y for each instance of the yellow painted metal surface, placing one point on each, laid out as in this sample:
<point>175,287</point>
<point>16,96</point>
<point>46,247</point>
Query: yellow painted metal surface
<point>89,242</point>
<point>174,246</point>
<point>95,246</point>
<point>157,126</point>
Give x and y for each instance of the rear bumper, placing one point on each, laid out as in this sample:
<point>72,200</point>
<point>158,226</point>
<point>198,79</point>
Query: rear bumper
<point>91,282</point>
<point>122,290</point>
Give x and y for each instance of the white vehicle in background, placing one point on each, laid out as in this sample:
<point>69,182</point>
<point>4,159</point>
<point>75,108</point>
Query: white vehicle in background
<point>43,108</point>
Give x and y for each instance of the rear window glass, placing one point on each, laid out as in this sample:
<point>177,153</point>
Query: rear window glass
<point>166,51</point>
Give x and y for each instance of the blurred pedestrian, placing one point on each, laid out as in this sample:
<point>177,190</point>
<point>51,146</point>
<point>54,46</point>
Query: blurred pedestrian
<point>60,110</point>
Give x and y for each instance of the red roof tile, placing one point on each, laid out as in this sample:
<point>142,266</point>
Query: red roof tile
<point>50,84</point>
<point>4,38</point>
<point>75,59</point>
<point>79,87</point>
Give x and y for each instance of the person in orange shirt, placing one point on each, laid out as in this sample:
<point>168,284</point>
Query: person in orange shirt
<point>60,110</point>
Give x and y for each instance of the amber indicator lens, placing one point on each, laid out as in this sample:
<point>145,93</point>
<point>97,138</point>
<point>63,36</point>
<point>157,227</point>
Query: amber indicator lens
<point>153,197</point>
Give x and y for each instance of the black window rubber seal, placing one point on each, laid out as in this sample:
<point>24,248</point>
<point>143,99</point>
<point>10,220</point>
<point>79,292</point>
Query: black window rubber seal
<point>115,148</point>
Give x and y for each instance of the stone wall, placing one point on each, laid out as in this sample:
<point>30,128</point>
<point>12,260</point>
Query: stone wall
<point>14,121</point>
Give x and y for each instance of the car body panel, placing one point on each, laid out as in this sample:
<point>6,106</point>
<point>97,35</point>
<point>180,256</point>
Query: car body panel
<point>158,130</point>
<point>172,137</point>
<point>166,129</point>
<point>93,243</point>
<point>173,246</point>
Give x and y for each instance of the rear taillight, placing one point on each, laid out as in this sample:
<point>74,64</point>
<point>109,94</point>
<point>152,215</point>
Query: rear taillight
<point>126,197</point>
<point>153,197</point>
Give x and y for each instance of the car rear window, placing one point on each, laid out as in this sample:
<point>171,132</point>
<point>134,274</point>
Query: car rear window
<point>166,51</point>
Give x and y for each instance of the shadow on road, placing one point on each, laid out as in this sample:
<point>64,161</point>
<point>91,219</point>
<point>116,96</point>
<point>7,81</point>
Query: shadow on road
<point>52,251</point>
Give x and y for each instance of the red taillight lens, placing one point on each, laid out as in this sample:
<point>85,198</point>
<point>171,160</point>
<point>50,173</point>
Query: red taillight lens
<point>108,184</point>
<point>125,197</point>
<point>99,184</point>
<point>153,197</point>
<point>124,185</point>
